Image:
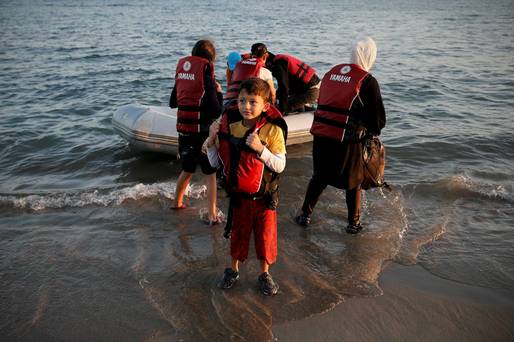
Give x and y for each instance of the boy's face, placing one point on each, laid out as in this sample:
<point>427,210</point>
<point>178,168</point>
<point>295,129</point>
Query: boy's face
<point>251,106</point>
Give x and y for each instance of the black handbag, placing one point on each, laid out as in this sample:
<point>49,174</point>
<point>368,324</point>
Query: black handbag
<point>373,155</point>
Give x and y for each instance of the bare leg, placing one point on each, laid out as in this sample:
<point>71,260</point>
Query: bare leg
<point>234,264</point>
<point>182,182</point>
<point>211,196</point>
<point>264,266</point>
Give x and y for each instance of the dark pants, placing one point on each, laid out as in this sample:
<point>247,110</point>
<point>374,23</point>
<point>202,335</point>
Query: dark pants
<point>316,187</point>
<point>296,102</point>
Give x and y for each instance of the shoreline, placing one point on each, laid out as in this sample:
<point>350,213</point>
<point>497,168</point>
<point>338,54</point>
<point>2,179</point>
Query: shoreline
<point>415,306</point>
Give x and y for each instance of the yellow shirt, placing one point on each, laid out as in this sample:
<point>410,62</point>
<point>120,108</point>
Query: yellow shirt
<point>270,134</point>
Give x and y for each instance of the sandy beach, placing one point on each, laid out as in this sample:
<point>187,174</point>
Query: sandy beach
<point>415,306</point>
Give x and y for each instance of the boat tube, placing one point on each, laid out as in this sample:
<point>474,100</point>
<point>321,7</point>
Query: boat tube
<point>153,128</point>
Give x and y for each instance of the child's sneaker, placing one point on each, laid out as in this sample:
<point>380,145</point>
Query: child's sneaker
<point>303,220</point>
<point>267,285</point>
<point>353,228</point>
<point>230,277</point>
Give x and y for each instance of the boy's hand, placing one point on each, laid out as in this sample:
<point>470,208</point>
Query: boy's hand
<point>211,139</point>
<point>254,143</point>
<point>205,147</point>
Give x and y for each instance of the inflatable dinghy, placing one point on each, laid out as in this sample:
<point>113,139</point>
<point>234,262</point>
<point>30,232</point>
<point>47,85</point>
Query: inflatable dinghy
<point>153,128</point>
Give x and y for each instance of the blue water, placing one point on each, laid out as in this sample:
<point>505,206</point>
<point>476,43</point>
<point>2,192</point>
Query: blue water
<point>80,210</point>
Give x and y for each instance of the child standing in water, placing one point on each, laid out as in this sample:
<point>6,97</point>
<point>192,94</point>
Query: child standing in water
<point>253,153</point>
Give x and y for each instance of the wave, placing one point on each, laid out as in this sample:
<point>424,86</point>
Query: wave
<point>464,186</point>
<point>98,197</point>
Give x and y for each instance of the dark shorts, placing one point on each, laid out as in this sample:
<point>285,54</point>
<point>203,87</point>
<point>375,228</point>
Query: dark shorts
<point>190,152</point>
<point>296,102</point>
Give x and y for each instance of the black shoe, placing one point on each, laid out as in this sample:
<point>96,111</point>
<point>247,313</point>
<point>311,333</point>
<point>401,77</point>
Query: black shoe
<point>267,285</point>
<point>227,233</point>
<point>353,228</point>
<point>303,220</point>
<point>230,277</point>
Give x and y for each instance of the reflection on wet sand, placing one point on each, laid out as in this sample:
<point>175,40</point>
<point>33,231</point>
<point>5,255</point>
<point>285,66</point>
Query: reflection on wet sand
<point>317,268</point>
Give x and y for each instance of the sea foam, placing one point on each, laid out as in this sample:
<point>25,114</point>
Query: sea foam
<point>99,197</point>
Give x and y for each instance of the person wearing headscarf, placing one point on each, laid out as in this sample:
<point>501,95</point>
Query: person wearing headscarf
<point>349,108</point>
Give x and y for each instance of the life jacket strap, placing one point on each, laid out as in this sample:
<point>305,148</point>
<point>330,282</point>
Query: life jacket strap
<point>333,109</point>
<point>330,122</point>
<point>189,108</point>
<point>190,121</point>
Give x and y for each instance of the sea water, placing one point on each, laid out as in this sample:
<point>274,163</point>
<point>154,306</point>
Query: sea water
<point>88,246</point>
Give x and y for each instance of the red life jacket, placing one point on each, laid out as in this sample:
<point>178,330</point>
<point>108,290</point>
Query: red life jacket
<point>189,83</point>
<point>339,88</point>
<point>297,68</point>
<point>245,173</point>
<point>244,69</point>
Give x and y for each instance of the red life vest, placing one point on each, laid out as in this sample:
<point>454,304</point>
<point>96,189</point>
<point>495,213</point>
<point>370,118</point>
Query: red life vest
<point>297,68</point>
<point>244,69</point>
<point>245,173</point>
<point>189,83</point>
<point>339,88</point>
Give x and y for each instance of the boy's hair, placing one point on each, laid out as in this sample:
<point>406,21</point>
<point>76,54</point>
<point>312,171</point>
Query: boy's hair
<point>259,49</point>
<point>257,86</point>
<point>204,48</point>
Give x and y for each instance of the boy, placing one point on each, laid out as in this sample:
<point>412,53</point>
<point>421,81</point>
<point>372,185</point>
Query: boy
<point>253,153</point>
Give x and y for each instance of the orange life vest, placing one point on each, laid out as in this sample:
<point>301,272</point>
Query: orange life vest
<point>339,89</point>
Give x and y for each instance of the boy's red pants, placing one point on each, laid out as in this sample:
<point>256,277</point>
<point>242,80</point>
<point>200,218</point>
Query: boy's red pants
<point>253,215</point>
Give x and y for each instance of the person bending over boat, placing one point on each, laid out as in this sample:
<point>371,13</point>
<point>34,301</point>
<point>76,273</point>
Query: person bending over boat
<point>253,154</point>
<point>349,108</point>
<point>198,98</point>
<point>250,65</point>
<point>298,84</point>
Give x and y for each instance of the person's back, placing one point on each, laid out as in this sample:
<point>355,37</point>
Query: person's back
<point>251,65</point>
<point>298,83</point>
<point>350,108</point>
<point>198,98</point>
<point>244,69</point>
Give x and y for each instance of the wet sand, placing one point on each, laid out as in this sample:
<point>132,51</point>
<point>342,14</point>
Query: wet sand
<point>415,306</point>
